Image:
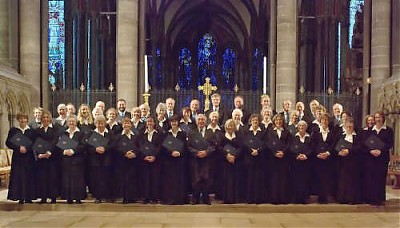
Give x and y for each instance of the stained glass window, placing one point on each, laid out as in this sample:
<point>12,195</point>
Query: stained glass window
<point>228,67</point>
<point>56,37</point>
<point>155,62</point>
<point>355,6</point>
<point>207,49</point>
<point>185,68</point>
<point>258,58</point>
<point>159,68</point>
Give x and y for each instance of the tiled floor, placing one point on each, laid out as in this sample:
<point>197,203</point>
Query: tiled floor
<point>216,215</point>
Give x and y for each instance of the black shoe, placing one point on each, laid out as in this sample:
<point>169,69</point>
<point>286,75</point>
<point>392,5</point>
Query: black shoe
<point>28,201</point>
<point>43,201</point>
<point>53,201</point>
<point>21,202</point>
<point>206,199</point>
<point>146,201</point>
<point>69,201</point>
<point>97,201</point>
<point>78,201</point>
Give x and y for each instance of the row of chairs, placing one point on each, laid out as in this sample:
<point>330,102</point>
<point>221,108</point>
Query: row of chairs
<point>5,165</point>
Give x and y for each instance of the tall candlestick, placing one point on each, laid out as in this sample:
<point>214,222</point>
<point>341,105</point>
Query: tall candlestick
<point>146,75</point>
<point>265,76</point>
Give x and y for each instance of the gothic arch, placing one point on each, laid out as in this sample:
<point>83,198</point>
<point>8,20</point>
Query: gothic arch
<point>12,103</point>
<point>23,103</point>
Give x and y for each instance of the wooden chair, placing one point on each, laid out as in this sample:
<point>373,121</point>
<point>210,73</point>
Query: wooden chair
<point>5,166</point>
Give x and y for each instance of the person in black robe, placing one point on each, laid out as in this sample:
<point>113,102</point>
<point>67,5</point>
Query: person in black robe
<point>73,164</point>
<point>323,146</point>
<point>100,159</point>
<point>162,124</point>
<point>173,177</point>
<point>150,144</point>
<point>21,185</point>
<point>48,161</point>
<point>366,131</point>
<point>278,144</point>
<point>377,160</point>
<point>138,126</point>
<point>255,161</point>
<point>202,160</point>
<point>347,169</point>
<point>234,184</point>
<point>186,123</point>
<point>127,148</point>
<point>301,150</point>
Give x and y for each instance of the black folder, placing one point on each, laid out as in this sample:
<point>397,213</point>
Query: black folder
<point>65,142</point>
<point>230,149</point>
<point>199,143</point>
<point>298,147</point>
<point>20,139</point>
<point>253,142</point>
<point>322,147</point>
<point>374,143</point>
<point>97,140</point>
<point>274,144</point>
<point>343,144</point>
<point>173,144</point>
<point>148,149</point>
<point>126,144</point>
<point>41,146</point>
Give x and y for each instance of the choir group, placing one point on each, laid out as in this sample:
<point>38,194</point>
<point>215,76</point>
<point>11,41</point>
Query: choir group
<point>180,157</point>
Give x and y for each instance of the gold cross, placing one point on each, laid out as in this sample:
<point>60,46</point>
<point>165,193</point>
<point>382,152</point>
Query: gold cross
<point>207,88</point>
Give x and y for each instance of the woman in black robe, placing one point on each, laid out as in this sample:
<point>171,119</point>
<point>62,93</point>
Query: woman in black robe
<point>255,161</point>
<point>100,159</point>
<point>301,150</point>
<point>150,143</point>
<point>366,131</point>
<point>347,169</point>
<point>377,160</point>
<point>231,144</point>
<point>173,177</point>
<point>127,148</point>
<point>21,185</point>
<point>48,160</point>
<point>73,163</point>
<point>323,143</point>
<point>278,144</point>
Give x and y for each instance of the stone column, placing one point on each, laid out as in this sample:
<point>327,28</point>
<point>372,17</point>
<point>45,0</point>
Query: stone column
<point>272,53</point>
<point>380,49</point>
<point>286,61</point>
<point>366,58</point>
<point>30,46</point>
<point>4,32</point>
<point>127,51</point>
<point>46,99</point>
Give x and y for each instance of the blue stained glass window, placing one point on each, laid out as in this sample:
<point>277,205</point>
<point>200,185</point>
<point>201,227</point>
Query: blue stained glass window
<point>228,67</point>
<point>185,68</point>
<point>258,58</point>
<point>56,37</point>
<point>207,49</point>
<point>355,6</point>
<point>158,70</point>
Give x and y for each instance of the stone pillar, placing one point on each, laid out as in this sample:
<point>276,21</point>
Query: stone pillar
<point>127,51</point>
<point>272,53</point>
<point>142,49</point>
<point>286,61</point>
<point>366,59</point>
<point>46,99</point>
<point>380,49</point>
<point>4,32</point>
<point>30,46</point>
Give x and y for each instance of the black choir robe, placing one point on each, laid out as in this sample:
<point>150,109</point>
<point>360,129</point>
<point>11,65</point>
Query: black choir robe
<point>234,182</point>
<point>348,173</point>
<point>256,169</point>
<point>48,171</point>
<point>279,170</point>
<point>173,173</point>
<point>22,184</point>
<point>130,167</point>
<point>116,168</point>
<point>300,171</point>
<point>73,171</point>
<point>150,171</point>
<point>376,168</point>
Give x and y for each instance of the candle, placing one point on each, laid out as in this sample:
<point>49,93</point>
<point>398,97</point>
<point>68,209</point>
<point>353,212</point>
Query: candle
<point>265,76</point>
<point>146,75</point>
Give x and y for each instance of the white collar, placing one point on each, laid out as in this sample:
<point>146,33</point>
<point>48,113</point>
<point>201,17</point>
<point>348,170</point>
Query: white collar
<point>150,132</point>
<point>376,129</point>
<point>129,133</point>
<point>170,130</point>
<point>213,128</point>
<point>230,137</point>
<point>352,133</point>
<point>280,129</point>
<point>76,130</point>
<point>183,121</point>
<point>113,124</point>
<point>298,134</point>
<point>23,130</point>
<point>50,125</point>
<point>258,129</point>
<point>105,131</point>
<point>322,130</point>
